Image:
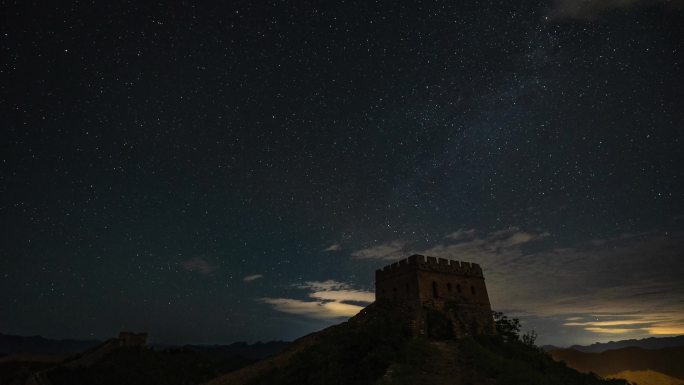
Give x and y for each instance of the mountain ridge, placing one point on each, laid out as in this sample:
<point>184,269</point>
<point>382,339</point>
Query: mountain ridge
<point>666,360</point>
<point>644,343</point>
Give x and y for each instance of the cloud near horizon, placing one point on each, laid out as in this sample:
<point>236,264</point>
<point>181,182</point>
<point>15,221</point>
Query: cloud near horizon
<point>628,285</point>
<point>328,300</point>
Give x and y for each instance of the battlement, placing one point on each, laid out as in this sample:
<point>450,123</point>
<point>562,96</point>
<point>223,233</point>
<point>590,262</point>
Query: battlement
<point>425,263</point>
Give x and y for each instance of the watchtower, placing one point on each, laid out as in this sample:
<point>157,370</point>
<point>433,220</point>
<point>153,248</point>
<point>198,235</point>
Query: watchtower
<point>439,296</point>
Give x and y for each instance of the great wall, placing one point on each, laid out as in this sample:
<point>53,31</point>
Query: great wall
<point>439,296</point>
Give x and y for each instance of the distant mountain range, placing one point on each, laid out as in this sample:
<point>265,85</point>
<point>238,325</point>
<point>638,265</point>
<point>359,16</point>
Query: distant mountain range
<point>649,361</point>
<point>38,360</point>
<point>11,344</point>
<point>645,343</point>
<point>666,360</point>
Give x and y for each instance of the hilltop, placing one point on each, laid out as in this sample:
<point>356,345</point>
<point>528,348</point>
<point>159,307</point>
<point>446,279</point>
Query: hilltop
<point>376,347</point>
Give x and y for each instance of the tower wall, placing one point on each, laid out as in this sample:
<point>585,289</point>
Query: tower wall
<point>427,287</point>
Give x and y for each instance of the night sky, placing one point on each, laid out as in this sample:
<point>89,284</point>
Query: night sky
<point>212,173</point>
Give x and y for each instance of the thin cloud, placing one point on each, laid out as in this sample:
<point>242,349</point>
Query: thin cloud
<point>253,277</point>
<point>471,245</point>
<point>328,300</point>
<point>461,244</point>
<point>333,247</point>
<point>609,331</point>
<point>667,329</point>
<point>198,265</point>
<point>389,250</point>
<point>628,284</point>
<point>344,296</point>
<point>611,323</point>
<point>328,285</point>
<point>313,309</point>
<point>461,234</point>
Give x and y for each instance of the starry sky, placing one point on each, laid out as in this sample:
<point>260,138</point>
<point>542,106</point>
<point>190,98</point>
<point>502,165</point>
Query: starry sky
<point>236,171</point>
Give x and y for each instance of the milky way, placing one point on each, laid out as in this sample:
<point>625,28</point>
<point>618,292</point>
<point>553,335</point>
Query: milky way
<point>212,173</point>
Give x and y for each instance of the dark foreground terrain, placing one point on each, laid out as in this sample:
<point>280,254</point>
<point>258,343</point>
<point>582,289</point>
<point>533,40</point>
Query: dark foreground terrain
<point>374,348</point>
<point>109,363</point>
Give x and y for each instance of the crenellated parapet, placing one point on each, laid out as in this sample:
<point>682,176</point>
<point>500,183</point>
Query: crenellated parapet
<point>437,295</point>
<point>432,264</point>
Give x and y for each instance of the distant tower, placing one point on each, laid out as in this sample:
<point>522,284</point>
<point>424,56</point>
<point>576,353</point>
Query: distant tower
<point>441,297</point>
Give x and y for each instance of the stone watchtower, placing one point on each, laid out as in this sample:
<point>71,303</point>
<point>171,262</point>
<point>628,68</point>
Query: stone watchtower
<point>440,297</point>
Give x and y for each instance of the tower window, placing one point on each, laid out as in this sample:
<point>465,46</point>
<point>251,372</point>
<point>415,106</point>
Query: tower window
<point>394,293</point>
<point>434,290</point>
<point>458,288</point>
<point>472,290</point>
<point>449,287</point>
<point>407,290</point>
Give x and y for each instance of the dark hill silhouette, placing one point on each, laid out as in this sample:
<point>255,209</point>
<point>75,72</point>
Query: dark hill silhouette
<point>667,360</point>
<point>115,362</point>
<point>377,347</point>
<point>11,344</point>
<point>141,366</point>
